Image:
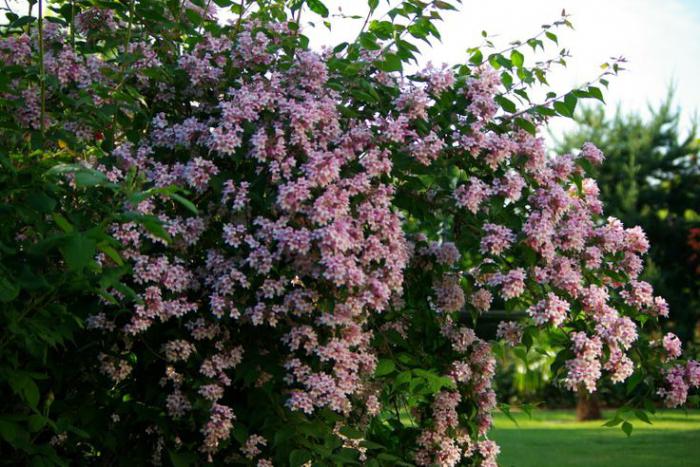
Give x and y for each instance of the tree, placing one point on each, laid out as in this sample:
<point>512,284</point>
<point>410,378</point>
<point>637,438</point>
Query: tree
<point>301,233</point>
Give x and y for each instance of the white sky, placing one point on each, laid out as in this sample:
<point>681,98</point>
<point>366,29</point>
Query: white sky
<point>660,38</point>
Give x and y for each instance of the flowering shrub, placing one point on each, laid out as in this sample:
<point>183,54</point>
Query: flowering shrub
<point>314,295</point>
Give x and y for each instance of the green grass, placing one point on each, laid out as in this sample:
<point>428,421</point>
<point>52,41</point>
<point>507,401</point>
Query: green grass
<point>555,439</point>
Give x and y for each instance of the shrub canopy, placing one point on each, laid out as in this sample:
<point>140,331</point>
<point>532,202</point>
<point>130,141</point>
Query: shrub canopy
<point>301,243</point>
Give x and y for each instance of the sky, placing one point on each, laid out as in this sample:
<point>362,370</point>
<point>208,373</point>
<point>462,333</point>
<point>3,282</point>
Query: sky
<point>659,38</point>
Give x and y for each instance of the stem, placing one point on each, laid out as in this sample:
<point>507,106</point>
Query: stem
<point>556,98</point>
<point>29,13</point>
<point>240,17</point>
<point>364,25</point>
<point>518,44</point>
<point>296,33</point>
<point>123,65</point>
<point>8,7</point>
<point>410,23</point>
<point>42,76</point>
<point>40,302</point>
<point>72,23</point>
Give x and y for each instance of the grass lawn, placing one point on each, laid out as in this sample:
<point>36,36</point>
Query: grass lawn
<point>555,439</point>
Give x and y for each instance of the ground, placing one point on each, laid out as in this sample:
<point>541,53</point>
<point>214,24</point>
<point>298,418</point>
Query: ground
<point>556,439</point>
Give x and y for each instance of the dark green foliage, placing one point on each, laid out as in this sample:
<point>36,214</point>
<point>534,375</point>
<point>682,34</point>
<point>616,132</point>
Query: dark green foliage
<point>49,279</point>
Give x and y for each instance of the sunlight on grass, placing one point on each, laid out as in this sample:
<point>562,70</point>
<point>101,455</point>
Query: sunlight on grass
<point>555,438</point>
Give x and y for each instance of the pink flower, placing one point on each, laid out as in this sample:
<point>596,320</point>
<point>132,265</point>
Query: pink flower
<point>552,310</point>
<point>641,295</point>
<point>427,148</point>
<point>676,391</point>
<point>446,253</point>
<point>636,240</point>
<point>199,171</point>
<point>450,295</point>
<point>510,186</point>
<point>481,300</point>
<point>472,195</point>
<point>591,153</point>
<point>672,345</point>
<point>218,427</point>
<point>439,80</point>
<point>251,446</point>
<point>512,283</point>
<point>510,331</point>
<point>585,369</point>
<point>496,239</point>
<point>619,365</point>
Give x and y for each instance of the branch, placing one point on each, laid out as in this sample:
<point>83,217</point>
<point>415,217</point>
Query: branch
<point>558,97</point>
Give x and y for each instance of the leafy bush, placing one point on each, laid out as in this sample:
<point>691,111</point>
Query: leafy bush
<point>308,240</point>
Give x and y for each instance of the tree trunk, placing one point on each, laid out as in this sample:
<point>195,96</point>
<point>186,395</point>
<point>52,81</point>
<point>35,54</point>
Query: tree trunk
<point>587,407</point>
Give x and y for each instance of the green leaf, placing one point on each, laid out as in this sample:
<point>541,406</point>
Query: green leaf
<point>78,251</point>
<point>627,428</point>
<point>391,62</point>
<point>36,422</point>
<point>596,92</point>
<point>240,433</point>
<point>368,41</point>
<point>352,433</point>
<point>613,422</point>
<point>155,227</point>
<point>505,408</point>
<point>373,4</point>
<point>384,367</point>
<point>371,445</point>
<point>642,415</point>
<point>443,5</point>
<point>8,289</point>
<point>185,202</point>
<point>89,178</point>
<point>8,431</point>
<point>382,29</point>
<point>476,58</point>
<point>527,408</point>
<point>633,381</point>
<point>526,125</point>
<point>23,21</point>
<point>517,58</point>
<point>111,252</point>
<point>551,36</point>
<point>570,100</point>
<point>506,104</point>
<point>507,79</point>
<point>395,460</point>
<point>62,222</point>
<point>563,109</point>
<point>30,391</point>
<point>299,457</point>
<point>41,202</point>
<point>182,459</point>
<point>194,17</point>
<point>318,7</point>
